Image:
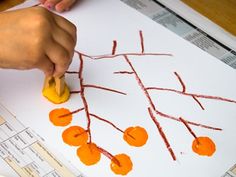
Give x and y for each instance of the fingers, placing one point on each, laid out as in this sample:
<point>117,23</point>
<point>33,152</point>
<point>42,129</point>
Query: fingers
<point>47,67</point>
<point>65,40</point>
<point>50,3</point>
<point>59,56</point>
<point>60,5</point>
<point>66,25</point>
<point>64,35</point>
<point>58,43</point>
<point>42,1</point>
<point>60,48</point>
<point>64,5</point>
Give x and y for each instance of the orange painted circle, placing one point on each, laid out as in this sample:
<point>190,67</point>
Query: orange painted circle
<point>204,146</point>
<point>75,136</point>
<point>89,154</point>
<point>55,118</point>
<point>135,136</point>
<point>125,165</point>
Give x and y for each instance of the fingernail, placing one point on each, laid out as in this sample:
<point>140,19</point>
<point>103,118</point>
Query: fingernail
<point>49,6</point>
<point>59,8</point>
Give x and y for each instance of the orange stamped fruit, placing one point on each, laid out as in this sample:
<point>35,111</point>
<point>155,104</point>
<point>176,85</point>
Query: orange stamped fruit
<point>125,164</point>
<point>89,154</point>
<point>75,136</point>
<point>60,117</point>
<point>204,146</point>
<point>135,136</point>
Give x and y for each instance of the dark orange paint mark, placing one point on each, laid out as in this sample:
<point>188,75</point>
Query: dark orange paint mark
<point>125,164</point>
<point>203,146</point>
<point>135,136</point>
<point>57,117</point>
<point>75,136</point>
<point>89,154</point>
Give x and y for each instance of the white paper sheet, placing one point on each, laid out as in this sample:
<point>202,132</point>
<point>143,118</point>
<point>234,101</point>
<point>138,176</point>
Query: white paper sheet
<point>99,23</point>
<point>27,3</point>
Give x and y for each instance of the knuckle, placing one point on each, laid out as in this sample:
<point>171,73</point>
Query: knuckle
<point>42,10</point>
<point>42,23</point>
<point>41,19</point>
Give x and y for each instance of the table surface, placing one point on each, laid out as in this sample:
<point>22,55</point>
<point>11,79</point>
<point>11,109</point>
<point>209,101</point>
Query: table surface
<point>220,12</point>
<point>6,4</point>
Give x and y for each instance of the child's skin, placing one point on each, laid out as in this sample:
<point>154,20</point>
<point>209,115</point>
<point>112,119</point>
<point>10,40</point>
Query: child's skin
<point>37,38</point>
<point>59,5</point>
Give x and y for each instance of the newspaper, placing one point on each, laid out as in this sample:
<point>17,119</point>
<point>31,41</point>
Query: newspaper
<point>169,19</point>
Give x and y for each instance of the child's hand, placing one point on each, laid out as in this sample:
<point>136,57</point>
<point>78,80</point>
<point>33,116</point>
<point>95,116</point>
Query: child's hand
<point>59,5</point>
<point>36,38</point>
